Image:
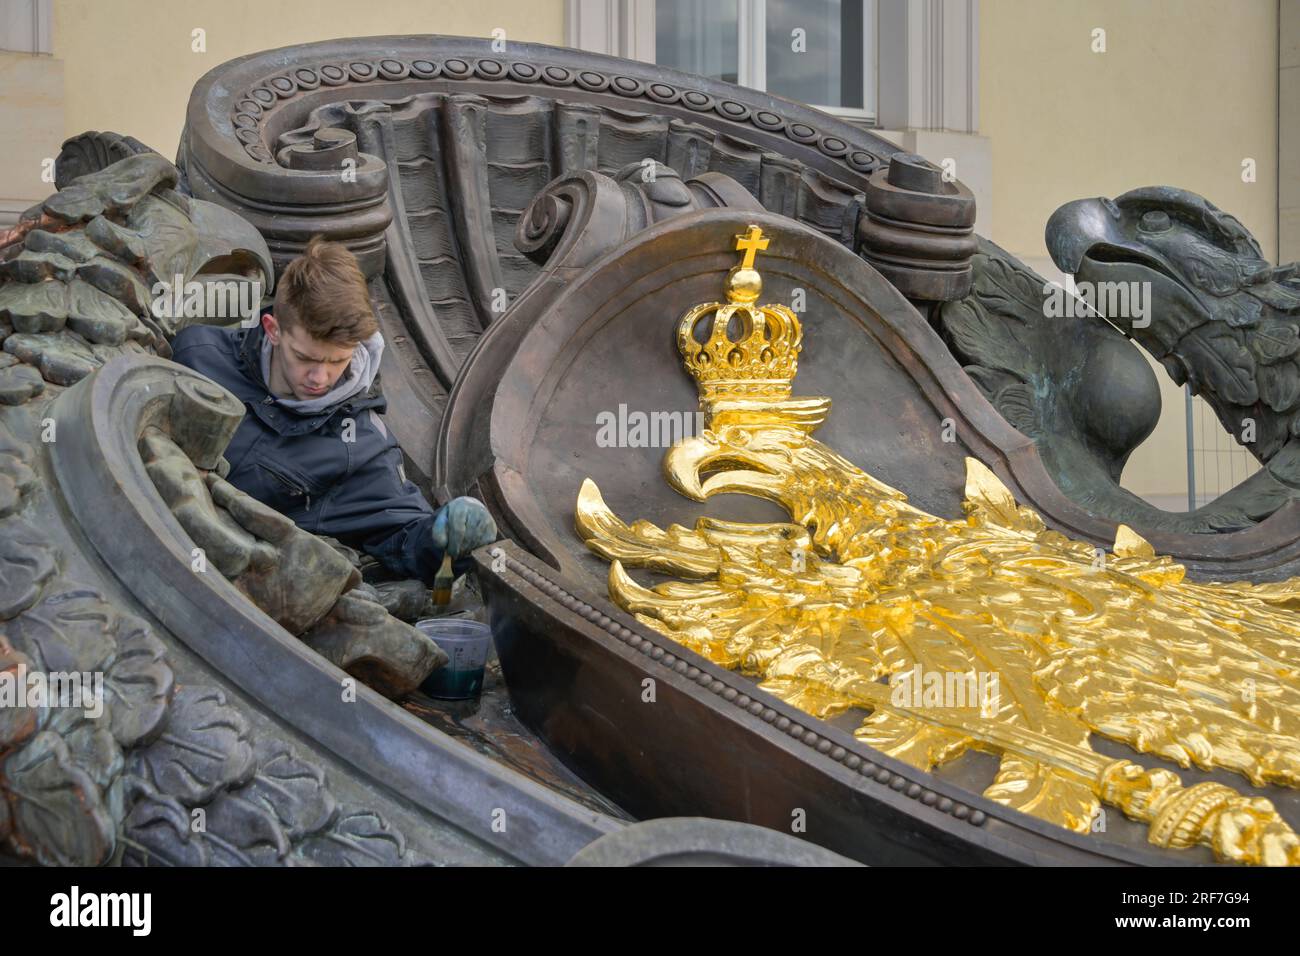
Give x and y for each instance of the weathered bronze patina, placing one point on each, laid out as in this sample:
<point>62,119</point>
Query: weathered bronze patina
<point>532,224</point>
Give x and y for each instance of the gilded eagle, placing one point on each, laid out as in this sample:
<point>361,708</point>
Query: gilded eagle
<point>861,592</point>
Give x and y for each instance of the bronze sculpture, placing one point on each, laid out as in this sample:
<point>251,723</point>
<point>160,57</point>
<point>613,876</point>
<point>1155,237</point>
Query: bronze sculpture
<point>514,213</point>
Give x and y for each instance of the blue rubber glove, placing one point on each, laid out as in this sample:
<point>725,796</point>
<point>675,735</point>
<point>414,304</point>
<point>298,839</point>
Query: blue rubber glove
<point>462,525</point>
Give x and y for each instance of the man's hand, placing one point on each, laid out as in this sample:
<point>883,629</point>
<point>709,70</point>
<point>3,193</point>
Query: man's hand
<point>417,550</point>
<point>462,525</point>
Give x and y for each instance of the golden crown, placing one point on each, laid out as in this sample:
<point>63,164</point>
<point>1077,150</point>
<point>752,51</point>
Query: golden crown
<point>761,359</point>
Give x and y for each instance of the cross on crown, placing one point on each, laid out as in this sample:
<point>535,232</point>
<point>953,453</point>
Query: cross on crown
<point>751,244</point>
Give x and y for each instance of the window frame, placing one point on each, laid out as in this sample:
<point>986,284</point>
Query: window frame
<point>752,62</point>
<point>27,28</point>
<point>923,74</point>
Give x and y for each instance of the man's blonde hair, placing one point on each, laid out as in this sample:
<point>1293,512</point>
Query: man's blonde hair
<point>324,292</point>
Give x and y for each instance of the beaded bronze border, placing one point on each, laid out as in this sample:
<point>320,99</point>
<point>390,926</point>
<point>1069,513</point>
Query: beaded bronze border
<point>810,738</point>
<point>252,108</point>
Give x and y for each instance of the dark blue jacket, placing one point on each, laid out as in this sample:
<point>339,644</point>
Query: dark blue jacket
<point>303,466</point>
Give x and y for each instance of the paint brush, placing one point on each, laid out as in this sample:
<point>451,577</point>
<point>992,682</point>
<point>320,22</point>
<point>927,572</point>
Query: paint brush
<point>442,582</point>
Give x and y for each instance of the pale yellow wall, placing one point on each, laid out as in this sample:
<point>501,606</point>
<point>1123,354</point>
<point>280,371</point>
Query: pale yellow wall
<point>31,118</point>
<point>1184,92</point>
<point>129,66</point>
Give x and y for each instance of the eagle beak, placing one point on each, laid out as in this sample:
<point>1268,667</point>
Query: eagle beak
<point>686,461</point>
<point>1078,226</point>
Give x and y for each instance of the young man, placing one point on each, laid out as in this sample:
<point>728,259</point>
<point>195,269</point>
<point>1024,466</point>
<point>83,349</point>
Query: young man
<point>312,444</point>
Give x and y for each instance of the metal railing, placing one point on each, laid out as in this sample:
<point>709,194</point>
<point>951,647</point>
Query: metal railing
<point>1215,460</point>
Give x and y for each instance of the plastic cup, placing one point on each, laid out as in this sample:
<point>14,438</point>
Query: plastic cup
<point>466,644</point>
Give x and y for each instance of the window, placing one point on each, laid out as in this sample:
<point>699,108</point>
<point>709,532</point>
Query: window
<point>820,52</point>
<point>25,26</point>
<point>701,38</point>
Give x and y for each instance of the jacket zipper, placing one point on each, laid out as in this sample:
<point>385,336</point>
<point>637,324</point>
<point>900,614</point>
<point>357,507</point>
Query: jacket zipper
<point>293,486</point>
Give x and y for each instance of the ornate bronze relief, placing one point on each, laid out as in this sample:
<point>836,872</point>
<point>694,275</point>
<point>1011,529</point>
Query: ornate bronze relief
<point>1038,641</point>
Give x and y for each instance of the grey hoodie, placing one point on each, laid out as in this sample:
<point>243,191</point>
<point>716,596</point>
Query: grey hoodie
<point>360,373</point>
